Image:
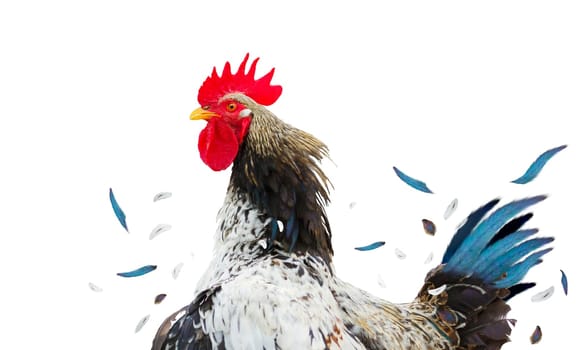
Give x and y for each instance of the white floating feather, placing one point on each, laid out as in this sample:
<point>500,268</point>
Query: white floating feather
<point>429,258</point>
<point>450,209</point>
<point>177,270</point>
<point>162,195</point>
<point>381,282</point>
<point>95,288</point>
<point>544,295</point>
<point>141,323</point>
<point>158,230</point>
<point>399,254</point>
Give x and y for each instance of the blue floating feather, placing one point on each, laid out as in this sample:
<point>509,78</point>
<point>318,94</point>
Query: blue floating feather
<point>412,182</point>
<point>371,246</point>
<point>564,282</point>
<point>535,168</point>
<point>138,272</point>
<point>118,211</point>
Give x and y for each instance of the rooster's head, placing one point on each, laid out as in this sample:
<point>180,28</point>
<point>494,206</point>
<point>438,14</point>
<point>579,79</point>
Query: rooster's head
<point>227,104</point>
<point>275,164</point>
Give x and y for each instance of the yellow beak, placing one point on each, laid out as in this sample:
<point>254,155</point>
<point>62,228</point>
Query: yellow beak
<point>204,114</point>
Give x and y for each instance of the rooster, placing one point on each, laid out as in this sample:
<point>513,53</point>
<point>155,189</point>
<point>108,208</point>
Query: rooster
<point>271,283</point>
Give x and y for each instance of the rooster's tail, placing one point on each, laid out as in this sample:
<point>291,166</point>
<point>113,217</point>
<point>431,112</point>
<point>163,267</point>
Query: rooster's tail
<point>481,269</point>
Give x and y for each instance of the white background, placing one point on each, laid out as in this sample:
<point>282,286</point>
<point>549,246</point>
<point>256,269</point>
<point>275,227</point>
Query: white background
<point>97,95</point>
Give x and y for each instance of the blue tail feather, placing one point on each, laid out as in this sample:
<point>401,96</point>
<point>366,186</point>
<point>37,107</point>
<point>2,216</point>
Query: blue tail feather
<point>469,250</point>
<point>491,254</point>
<point>505,261</point>
<point>511,227</point>
<point>518,271</point>
<point>490,247</point>
<point>483,267</point>
<point>465,230</point>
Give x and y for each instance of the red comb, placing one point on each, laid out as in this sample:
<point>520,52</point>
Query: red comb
<point>215,87</point>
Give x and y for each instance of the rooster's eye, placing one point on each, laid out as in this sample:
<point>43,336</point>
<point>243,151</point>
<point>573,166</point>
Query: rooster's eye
<point>231,107</point>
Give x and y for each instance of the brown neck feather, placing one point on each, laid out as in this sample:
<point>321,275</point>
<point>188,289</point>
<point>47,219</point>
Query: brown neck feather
<point>278,168</point>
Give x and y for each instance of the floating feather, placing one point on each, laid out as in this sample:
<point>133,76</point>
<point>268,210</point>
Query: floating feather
<point>412,182</point>
<point>564,282</point>
<point>429,227</point>
<point>95,288</point>
<point>138,272</point>
<point>141,323</point>
<point>118,211</point>
<point>399,254</point>
<point>381,282</point>
<point>177,270</point>
<point>544,295</point>
<point>429,258</point>
<point>536,335</point>
<point>159,229</point>
<point>535,168</point>
<point>159,298</point>
<point>371,246</point>
<point>450,209</point>
<point>162,195</point>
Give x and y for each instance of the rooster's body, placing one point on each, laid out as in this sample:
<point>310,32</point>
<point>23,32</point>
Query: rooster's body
<point>271,283</point>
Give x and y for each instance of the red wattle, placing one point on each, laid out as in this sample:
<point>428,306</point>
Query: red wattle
<point>218,144</point>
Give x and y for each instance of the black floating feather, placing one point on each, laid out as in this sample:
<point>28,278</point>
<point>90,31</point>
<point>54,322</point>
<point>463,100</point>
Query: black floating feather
<point>159,298</point>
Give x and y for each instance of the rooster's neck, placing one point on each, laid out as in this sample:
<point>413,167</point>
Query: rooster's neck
<point>277,170</point>
<point>239,239</point>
